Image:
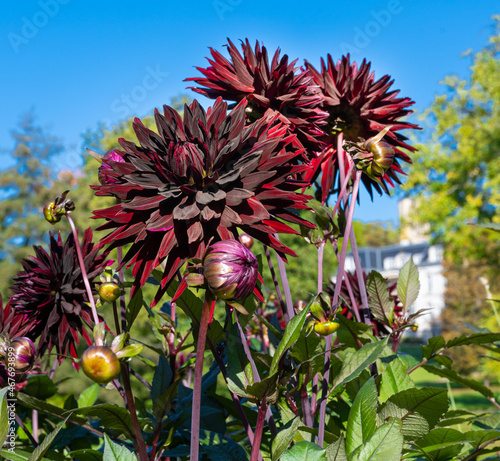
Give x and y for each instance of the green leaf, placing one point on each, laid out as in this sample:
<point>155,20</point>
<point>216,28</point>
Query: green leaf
<point>476,338</point>
<point>292,333</point>
<point>490,420</point>
<point>163,403</point>
<point>239,368</point>
<point>434,345</point>
<point>40,387</point>
<point>495,226</point>
<point>361,423</point>
<point>192,306</point>
<point>441,444</point>
<point>455,377</point>
<point>16,455</point>
<point>419,409</point>
<point>44,407</point>
<point>218,447</point>
<point>284,437</point>
<point>88,396</point>
<point>304,451</point>
<point>4,415</point>
<point>386,444</point>
<point>267,387</point>
<point>111,417</point>
<point>350,332</point>
<point>381,303</point>
<point>478,438</point>
<point>41,449</point>
<point>161,378</point>
<point>336,451</point>
<point>408,284</point>
<point>134,306</point>
<point>116,452</point>
<point>86,454</point>
<point>355,362</point>
<point>394,379</point>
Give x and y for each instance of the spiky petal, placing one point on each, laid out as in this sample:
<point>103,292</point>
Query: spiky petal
<point>360,107</point>
<point>196,182</point>
<point>51,293</point>
<point>277,84</point>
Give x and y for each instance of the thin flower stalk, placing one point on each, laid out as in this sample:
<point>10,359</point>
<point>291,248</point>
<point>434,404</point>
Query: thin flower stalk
<point>139,441</point>
<point>198,375</point>
<point>361,279</point>
<point>275,280</point>
<point>84,272</point>
<point>256,376</point>
<point>259,428</point>
<point>338,285</point>
<point>286,287</point>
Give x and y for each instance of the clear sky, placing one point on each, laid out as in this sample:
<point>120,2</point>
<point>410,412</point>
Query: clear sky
<point>77,63</point>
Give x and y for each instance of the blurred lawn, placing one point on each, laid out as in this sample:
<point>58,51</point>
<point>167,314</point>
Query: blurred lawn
<point>464,398</point>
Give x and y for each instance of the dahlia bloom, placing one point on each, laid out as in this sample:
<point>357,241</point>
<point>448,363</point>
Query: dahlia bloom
<point>196,182</point>
<point>51,293</point>
<point>276,85</point>
<point>359,107</point>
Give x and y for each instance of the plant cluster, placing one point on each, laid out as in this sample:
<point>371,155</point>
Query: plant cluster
<point>258,375</point>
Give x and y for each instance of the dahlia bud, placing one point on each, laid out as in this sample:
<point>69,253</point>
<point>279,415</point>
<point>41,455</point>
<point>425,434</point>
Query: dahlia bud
<point>383,154</point>
<point>246,240</point>
<point>326,328</point>
<point>230,269</point>
<point>102,175</point>
<point>100,364</point>
<point>21,355</point>
<point>52,211</point>
<point>109,292</point>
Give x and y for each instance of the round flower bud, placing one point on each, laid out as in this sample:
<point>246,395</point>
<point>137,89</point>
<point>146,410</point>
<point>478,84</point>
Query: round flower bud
<point>100,364</point>
<point>230,269</point>
<point>246,240</point>
<point>326,328</point>
<point>102,175</point>
<point>49,213</point>
<point>21,355</point>
<point>109,292</point>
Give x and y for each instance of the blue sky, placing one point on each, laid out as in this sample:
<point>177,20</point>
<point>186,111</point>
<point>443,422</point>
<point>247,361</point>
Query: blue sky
<point>78,63</point>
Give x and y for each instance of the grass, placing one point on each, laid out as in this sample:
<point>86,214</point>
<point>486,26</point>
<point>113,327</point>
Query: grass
<point>464,398</point>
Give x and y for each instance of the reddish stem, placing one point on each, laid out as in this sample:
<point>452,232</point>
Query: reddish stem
<point>84,271</point>
<point>198,375</point>
<point>259,428</point>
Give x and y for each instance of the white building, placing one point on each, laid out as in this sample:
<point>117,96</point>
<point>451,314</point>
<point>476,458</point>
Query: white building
<point>389,260</point>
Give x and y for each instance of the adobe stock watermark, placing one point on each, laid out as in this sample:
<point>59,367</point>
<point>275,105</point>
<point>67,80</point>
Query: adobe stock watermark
<point>124,105</point>
<point>10,442</point>
<point>381,19</point>
<point>221,7</point>
<point>31,26</point>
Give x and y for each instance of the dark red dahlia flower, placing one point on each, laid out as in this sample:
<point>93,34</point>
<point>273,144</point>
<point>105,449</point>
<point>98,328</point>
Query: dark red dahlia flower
<point>278,85</point>
<point>51,293</point>
<point>359,107</point>
<point>198,181</point>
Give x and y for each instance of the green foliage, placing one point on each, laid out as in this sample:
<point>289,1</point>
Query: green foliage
<point>457,163</point>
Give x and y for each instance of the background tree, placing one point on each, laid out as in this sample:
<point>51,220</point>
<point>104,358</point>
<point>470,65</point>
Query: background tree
<point>25,188</point>
<point>457,163</point>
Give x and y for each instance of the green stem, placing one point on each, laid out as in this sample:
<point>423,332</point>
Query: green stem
<point>198,375</point>
<point>139,441</point>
